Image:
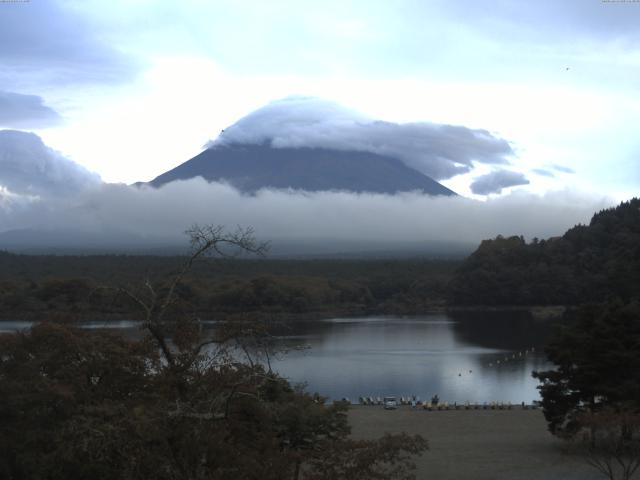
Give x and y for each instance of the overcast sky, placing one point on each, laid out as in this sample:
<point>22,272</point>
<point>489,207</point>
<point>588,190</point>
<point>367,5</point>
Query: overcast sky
<point>131,89</point>
<point>499,101</point>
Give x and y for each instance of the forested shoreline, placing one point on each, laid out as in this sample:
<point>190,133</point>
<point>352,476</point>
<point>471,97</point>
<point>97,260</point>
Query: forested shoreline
<point>589,263</point>
<point>87,286</point>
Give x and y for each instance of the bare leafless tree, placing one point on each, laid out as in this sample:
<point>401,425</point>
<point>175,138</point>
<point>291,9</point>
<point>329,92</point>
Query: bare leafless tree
<point>610,442</point>
<point>155,302</point>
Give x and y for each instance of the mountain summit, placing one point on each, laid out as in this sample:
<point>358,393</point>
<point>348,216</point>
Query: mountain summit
<point>250,167</point>
<point>313,144</point>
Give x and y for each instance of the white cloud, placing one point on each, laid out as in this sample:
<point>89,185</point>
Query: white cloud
<point>496,181</point>
<point>439,151</point>
<point>29,167</point>
<point>42,190</point>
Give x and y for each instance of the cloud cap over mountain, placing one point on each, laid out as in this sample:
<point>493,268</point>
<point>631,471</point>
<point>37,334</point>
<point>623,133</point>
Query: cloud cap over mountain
<point>439,151</point>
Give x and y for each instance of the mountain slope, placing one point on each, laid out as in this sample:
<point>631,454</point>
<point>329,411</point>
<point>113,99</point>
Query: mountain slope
<point>252,167</point>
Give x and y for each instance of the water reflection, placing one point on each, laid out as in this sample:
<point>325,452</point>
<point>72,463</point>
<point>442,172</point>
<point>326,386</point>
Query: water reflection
<point>461,359</point>
<point>510,330</point>
<point>13,326</point>
<point>469,356</point>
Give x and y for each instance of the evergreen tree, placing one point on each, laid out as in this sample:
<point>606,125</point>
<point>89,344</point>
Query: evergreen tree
<point>597,358</point>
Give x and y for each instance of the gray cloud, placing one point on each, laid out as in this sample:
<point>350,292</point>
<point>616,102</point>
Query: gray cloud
<point>494,182</point>
<point>42,190</point>
<point>29,167</point>
<point>25,111</point>
<point>563,169</point>
<point>439,151</point>
<point>543,172</point>
<point>49,42</point>
<point>364,220</point>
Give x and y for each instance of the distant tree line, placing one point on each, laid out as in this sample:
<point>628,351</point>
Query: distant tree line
<point>33,286</point>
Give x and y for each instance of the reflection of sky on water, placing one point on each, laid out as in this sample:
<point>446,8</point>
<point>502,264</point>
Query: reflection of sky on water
<point>454,356</point>
<point>115,325</point>
<point>416,356</point>
<point>12,326</point>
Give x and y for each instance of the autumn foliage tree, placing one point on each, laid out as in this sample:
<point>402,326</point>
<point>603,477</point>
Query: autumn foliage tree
<point>179,403</point>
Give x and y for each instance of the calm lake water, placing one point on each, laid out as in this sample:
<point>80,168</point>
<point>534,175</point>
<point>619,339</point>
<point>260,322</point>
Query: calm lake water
<point>476,357</point>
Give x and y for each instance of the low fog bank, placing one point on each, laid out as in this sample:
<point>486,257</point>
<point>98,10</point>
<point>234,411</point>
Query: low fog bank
<point>113,215</point>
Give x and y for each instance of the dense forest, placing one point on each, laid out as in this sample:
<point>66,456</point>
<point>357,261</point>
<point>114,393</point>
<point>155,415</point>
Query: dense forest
<point>589,263</point>
<point>85,286</point>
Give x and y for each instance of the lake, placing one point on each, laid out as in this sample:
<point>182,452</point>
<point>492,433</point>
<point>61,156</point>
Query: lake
<point>474,357</point>
<point>470,356</point>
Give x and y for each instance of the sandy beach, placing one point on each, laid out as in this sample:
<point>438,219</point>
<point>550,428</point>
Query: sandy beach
<point>477,444</point>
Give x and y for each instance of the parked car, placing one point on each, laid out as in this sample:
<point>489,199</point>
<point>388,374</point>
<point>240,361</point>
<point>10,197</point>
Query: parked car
<point>390,403</point>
